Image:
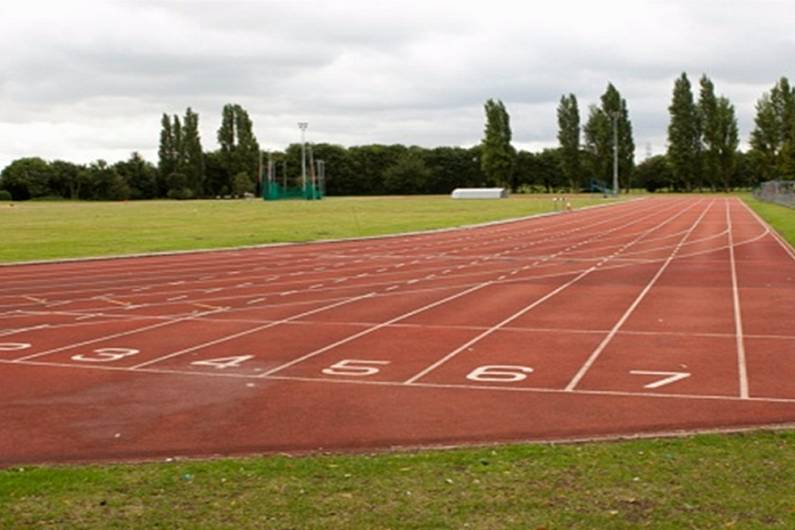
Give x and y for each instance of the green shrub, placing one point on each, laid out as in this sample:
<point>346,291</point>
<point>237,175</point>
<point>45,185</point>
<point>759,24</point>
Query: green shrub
<point>5,195</point>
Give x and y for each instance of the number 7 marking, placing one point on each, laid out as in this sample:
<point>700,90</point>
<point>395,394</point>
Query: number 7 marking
<point>670,377</point>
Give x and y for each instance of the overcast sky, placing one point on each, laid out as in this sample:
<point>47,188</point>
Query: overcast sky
<point>87,80</point>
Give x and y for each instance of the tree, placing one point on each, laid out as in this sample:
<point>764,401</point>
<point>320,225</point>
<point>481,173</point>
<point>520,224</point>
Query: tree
<point>166,154</point>
<point>26,178</point>
<point>654,173</point>
<point>64,179</point>
<point>728,140</point>
<point>599,139</point>
<point>408,175</point>
<point>192,155</point>
<point>774,131</point>
<point>719,138</point>
<point>684,137</point>
<point>139,175</point>
<point>710,129</point>
<point>569,138</point>
<point>239,147</point>
<point>498,154</point>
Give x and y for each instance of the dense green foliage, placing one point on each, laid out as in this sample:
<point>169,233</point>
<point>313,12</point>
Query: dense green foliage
<point>703,153</point>
<point>569,139</point>
<point>497,154</point>
<point>599,139</point>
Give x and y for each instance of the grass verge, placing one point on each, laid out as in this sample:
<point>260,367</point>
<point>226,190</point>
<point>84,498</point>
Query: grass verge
<point>707,481</point>
<point>779,217</point>
<point>65,229</point>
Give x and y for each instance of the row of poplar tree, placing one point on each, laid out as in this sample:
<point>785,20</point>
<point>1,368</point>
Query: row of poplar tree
<point>702,153</point>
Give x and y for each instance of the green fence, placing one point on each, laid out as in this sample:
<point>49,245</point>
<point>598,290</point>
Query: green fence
<point>273,191</point>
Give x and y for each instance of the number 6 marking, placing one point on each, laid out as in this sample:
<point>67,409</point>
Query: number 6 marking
<point>500,373</point>
<point>349,367</point>
<point>105,355</point>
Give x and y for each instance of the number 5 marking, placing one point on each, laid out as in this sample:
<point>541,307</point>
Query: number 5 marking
<point>354,367</point>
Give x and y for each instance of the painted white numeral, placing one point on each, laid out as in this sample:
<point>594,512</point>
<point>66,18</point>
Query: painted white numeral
<point>105,355</point>
<point>224,362</point>
<point>500,373</point>
<point>670,377</point>
<point>354,367</point>
<point>13,346</point>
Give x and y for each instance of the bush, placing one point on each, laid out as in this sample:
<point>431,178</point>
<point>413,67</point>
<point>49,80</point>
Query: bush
<point>5,195</point>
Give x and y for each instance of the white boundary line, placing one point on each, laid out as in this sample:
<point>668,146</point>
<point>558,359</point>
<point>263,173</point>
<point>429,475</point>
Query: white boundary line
<point>323,380</point>
<point>116,335</point>
<point>249,331</point>
<point>434,304</point>
<point>539,301</point>
<point>631,309</point>
<point>742,367</point>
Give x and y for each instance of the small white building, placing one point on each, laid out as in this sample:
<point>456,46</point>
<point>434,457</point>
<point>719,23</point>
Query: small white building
<point>479,193</point>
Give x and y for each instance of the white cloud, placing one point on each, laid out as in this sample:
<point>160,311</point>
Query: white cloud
<point>87,80</point>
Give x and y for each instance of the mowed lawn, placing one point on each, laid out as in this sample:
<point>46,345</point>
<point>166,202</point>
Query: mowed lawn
<point>50,230</point>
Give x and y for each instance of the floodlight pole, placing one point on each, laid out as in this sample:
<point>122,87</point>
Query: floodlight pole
<point>615,115</point>
<point>303,125</point>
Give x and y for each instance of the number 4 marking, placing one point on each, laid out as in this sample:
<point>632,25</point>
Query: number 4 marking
<point>670,377</point>
<point>224,362</point>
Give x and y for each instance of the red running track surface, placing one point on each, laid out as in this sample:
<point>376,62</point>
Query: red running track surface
<point>643,317</point>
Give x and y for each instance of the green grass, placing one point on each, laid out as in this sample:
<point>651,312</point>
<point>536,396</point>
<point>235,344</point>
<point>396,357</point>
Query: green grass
<point>779,217</point>
<point>708,481</point>
<point>49,230</point>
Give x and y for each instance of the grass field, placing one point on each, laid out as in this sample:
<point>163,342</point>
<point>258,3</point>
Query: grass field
<point>708,481</point>
<point>743,481</point>
<point>49,230</point>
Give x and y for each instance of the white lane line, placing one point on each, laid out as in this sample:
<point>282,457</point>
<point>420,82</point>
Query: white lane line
<point>116,335</point>
<point>531,306</point>
<point>250,331</point>
<point>742,366</point>
<point>374,328</point>
<point>323,380</point>
<point>631,309</point>
<point>255,301</point>
<point>175,298</point>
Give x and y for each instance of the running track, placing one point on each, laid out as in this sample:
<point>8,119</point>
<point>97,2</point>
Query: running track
<point>644,317</point>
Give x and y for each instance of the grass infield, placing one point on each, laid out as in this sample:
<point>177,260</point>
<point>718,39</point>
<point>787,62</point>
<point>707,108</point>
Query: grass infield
<point>706,481</point>
<point>49,230</point>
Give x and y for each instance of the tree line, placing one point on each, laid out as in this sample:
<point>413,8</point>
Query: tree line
<point>702,153</point>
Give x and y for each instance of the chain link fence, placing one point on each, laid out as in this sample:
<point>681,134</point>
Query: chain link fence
<point>777,191</point>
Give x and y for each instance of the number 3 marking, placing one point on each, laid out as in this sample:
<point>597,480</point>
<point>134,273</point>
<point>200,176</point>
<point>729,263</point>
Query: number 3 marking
<point>105,355</point>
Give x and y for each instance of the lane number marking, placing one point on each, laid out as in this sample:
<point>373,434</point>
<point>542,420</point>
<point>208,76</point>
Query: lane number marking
<point>354,368</point>
<point>14,346</point>
<point>105,355</point>
<point>222,363</point>
<point>500,373</point>
<point>669,377</point>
